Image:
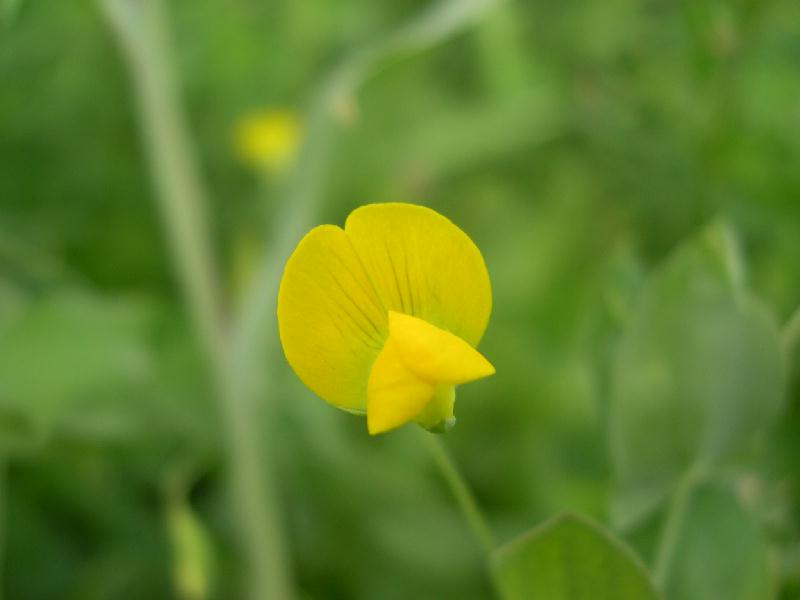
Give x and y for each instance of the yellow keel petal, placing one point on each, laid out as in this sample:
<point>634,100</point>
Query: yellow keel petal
<point>434,354</point>
<point>418,363</point>
<point>395,394</point>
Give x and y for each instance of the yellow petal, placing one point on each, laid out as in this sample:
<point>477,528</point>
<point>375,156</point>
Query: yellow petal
<point>396,394</point>
<point>331,320</point>
<point>336,295</point>
<point>414,375</point>
<point>423,265</point>
<point>436,355</point>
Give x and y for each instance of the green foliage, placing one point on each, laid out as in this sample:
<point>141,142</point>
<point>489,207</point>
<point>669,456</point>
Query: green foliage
<point>570,558</point>
<point>698,373</point>
<point>579,144</point>
<point>64,349</point>
<point>722,554</point>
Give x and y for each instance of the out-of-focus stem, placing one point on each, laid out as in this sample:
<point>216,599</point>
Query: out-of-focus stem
<point>466,501</point>
<point>141,29</point>
<point>506,65</point>
<point>791,332</point>
<point>671,532</point>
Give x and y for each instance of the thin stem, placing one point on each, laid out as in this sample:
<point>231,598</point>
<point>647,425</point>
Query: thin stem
<point>181,196</point>
<point>671,532</point>
<point>461,492</point>
<point>141,29</point>
<point>791,332</point>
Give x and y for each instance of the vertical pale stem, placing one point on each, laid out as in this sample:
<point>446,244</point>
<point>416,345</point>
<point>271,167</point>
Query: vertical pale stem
<point>671,533</point>
<point>506,64</point>
<point>142,32</point>
<point>791,333</point>
<point>463,496</point>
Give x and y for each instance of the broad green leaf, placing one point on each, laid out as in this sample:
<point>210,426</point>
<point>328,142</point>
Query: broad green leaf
<point>722,554</point>
<point>570,558</point>
<point>65,349</point>
<point>699,371</point>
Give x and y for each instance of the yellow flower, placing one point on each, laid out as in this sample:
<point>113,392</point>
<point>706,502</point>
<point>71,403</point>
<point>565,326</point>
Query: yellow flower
<point>383,316</point>
<point>268,139</point>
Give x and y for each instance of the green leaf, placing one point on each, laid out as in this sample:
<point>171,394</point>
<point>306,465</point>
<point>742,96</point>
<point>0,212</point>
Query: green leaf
<point>699,371</point>
<point>69,348</point>
<point>570,558</point>
<point>722,553</point>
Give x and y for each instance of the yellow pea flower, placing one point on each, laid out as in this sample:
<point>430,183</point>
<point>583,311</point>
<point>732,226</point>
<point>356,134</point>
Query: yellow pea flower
<point>383,317</point>
<point>268,139</point>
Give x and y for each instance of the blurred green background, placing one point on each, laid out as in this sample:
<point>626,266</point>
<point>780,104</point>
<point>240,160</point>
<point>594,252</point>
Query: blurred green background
<point>631,172</point>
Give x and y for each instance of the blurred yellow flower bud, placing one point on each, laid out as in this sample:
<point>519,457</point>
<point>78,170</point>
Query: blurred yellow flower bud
<point>268,140</point>
<point>192,554</point>
<point>383,316</point>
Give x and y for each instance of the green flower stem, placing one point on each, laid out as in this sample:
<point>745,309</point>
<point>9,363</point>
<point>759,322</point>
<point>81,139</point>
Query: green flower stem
<point>791,332</point>
<point>141,29</point>
<point>463,495</point>
<point>676,520</point>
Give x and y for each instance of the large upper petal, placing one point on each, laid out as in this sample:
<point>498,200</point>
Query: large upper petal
<point>331,319</point>
<point>423,265</point>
